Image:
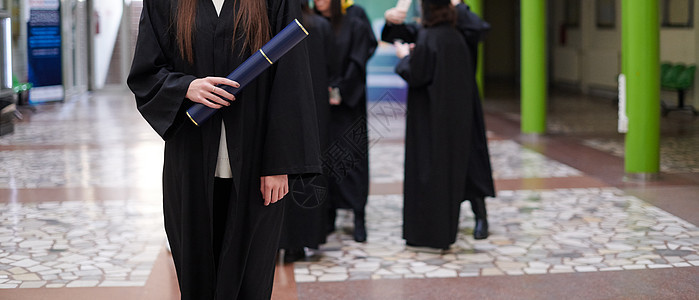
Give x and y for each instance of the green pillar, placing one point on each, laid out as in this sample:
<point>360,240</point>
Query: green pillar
<point>477,8</point>
<point>641,54</point>
<point>624,36</point>
<point>533,61</point>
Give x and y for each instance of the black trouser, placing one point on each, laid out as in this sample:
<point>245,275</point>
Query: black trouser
<point>222,193</point>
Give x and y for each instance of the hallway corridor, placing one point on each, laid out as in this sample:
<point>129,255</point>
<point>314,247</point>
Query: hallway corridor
<point>81,216</point>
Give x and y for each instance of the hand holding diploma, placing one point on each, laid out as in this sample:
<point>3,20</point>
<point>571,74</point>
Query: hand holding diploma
<point>404,5</point>
<point>396,15</point>
<point>205,91</point>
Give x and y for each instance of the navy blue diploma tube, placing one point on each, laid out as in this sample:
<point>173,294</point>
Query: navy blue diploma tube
<point>252,67</point>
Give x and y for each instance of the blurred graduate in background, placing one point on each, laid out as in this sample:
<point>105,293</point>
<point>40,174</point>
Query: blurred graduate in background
<point>447,158</point>
<point>347,156</point>
<point>304,222</point>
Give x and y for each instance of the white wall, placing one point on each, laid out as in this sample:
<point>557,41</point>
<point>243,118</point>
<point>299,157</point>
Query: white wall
<point>591,57</point>
<point>677,45</point>
<point>19,44</point>
<point>74,36</point>
<point>110,13</point>
<point>566,48</point>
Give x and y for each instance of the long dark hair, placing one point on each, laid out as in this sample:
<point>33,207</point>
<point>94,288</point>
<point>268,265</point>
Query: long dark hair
<point>436,14</point>
<point>251,16</point>
<point>335,13</point>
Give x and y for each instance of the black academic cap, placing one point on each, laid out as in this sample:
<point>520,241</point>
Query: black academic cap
<point>438,2</point>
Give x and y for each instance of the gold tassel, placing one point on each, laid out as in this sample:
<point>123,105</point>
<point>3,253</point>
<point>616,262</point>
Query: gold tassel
<point>346,4</point>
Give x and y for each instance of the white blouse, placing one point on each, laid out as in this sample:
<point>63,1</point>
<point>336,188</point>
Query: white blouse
<point>223,165</point>
<point>218,4</point>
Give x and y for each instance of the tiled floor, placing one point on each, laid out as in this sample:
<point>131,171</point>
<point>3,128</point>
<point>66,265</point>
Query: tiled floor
<point>80,214</point>
<point>78,244</point>
<point>509,161</point>
<point>677,154</point>
<point>533,232</point>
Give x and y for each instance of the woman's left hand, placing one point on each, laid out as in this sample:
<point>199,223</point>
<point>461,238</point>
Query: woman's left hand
<point>274,188</point>
<point>403,49</point>
<point>335,98</point>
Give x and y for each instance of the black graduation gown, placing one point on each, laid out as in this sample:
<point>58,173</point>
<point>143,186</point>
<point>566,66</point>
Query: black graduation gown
<point>347,156</point>
<point>304,224</point>
<point>479,182</point>
<point>473,28</point>
<point>270,129</point>
<point>438,140</point>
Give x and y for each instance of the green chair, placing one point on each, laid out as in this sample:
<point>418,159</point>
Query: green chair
<point>664,67</point>
<point>21,89</point>
<point>667,80</point>
<point>678,78</point>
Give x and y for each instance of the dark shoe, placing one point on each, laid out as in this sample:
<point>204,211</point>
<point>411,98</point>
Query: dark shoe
<point>292,255</point>
<point>359,228</point>
<point>359,235</point>
<point>480,232</point>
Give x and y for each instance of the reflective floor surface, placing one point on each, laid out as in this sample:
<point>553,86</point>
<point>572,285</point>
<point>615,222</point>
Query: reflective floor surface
<point>80,214</point>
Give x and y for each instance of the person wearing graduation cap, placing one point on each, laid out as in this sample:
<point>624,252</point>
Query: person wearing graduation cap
<point>347,156</point>
<point>304,224</point>
<point>223,178</point>
<point>442,134</point>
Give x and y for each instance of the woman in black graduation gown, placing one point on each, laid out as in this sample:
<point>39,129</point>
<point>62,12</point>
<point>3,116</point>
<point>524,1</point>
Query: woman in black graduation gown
<point>347,155</point>
<point>304,224</point>
<point>479,181</point>
<point>439,131</point>
<point>224,233</point>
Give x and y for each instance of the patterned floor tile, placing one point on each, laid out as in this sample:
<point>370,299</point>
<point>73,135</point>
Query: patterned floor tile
<point>140,165</point>
<point>78,244</point>
<point>677,154</point>
<point>532,232</point>
<point>81,132</point>
<point>118,166</point>
<point>509,160</point>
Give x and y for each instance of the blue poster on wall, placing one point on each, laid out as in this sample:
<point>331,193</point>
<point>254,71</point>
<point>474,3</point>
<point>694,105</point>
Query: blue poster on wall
<point>44,51</point>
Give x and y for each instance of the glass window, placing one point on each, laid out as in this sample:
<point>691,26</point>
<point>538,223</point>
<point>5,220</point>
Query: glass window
<point>677,13</point>
<point>572,13</point>
<point>606,14</point>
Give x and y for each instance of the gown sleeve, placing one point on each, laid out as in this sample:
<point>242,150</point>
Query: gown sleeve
<point>291,143</point>
<point>471,25</point>
<point>362,48</point>
<point>159,91</point>
<point>332,64</point>
<point>417,69</point>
